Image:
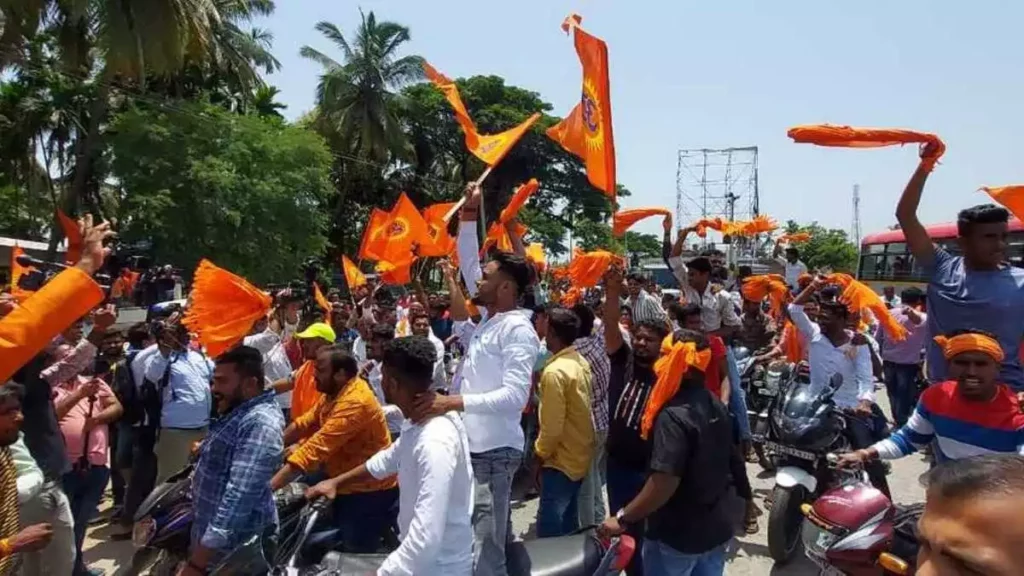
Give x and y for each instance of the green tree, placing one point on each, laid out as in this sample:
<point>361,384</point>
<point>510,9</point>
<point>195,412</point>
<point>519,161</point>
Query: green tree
<point>203,182</point>
<point>828,248</point>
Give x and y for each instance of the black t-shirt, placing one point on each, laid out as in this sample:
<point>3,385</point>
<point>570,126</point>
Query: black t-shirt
<point>42,433</point>
<point>629,387</point>
<point>692,440</point>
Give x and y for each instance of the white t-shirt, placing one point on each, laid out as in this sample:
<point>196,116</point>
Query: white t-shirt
<point>793,272</point>
<point>435,498</point>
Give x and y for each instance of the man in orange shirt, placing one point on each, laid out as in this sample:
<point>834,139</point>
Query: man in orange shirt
<point>341,432</point>
<point>302,383</point>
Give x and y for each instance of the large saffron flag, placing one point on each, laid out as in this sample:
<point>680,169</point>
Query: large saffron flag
<point>497,234</point>
<point>405,231</point>
<point>1011,197</point>
<point>489,148</point>
<point>441,243</point>
<point>587,130</point>
<point>223,309</point>
<point>74,236</point>
<point>353,276</point>
<point>374,235</point>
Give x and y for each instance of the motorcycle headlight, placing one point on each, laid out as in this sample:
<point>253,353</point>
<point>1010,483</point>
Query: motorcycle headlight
<point>143,532</point>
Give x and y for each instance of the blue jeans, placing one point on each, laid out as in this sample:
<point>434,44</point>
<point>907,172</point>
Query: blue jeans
<point>901,384</point>
<point>558,509</point>
<point>364,518</point>
<point>663,560</point>
<point>84,489</point>
<point>737,399</point>
<point>492,508</point>
<point>624,485</point>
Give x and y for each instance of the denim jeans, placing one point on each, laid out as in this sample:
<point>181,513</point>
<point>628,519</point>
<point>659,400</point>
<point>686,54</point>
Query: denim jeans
<point>901,384</point>
<point>592,508</point>
<point>662,560</point>
<point>624,485</point>
<point>492,511</point>
<point>737,399</point>
<point>558,510</point>
<point>364,518</point>
<point>84,490</point>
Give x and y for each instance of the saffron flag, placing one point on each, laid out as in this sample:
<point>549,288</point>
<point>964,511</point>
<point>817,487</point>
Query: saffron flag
<point>535,254</point>
<point>223,309</point>
<point>406,230</point>
<point>395,274</point>
<point>489,148</point>
<point>322,302</point>
<point>497,233</point>
<point>795,237</point>
<point>587,130</point>
<point>624,219</point>
<point>850,137</point>
<point>374,235</point>
<point>353,276</point>
<point>74,235</point>
<point>17,271</point>
<point>441,243</point>
<point>1010,197</point>
<point>518,200</point>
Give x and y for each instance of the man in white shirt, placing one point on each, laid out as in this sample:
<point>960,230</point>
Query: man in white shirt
<point>495,385</point>
<point>419,322</point>
<point>433,465</point>
<point>792,265</point>
<point>380,336</point>
<point>267,339</point>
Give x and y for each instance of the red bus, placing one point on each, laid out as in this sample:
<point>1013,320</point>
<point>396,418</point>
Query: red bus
<point>886,261</point>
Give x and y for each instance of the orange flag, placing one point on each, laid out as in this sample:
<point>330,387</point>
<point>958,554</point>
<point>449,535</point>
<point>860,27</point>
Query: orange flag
<point>406,227</point>
<point>795,237</point>
<point>497,234</point>
<point>518,200</point>
<point>73,234</point>
<point>858,296</point>
<point>771,286</point>
<point>398,274</point>
<point>624,219</point>
<point>675,360</point>
<point>489,148</point>
<point>17,271</point>
<point>704,224</point>
<point>354,278</point>
<point>535,254</point>
<point>587,130</point>
<point>374,236</point>
<point>442,244</point>
<point>1010,197</point>
<point>587,268</point>
<point>322,302</point>
<point>223,309</point>
<point>849,137</point>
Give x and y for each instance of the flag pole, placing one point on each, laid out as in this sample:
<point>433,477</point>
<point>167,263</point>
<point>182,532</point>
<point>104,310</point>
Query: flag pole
<point>458,205</point>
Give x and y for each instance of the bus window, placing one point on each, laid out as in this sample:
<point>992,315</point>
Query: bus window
<point>872,267</point>
<point>876,248</point>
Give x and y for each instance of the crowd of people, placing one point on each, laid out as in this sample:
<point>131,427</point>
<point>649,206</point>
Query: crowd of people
<point>421,415</point>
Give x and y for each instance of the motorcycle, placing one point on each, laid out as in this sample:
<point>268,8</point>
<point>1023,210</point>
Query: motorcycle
<point>853,529</point>
<point>762,386</point>
<point>807,426</point>
<point>163,523</point>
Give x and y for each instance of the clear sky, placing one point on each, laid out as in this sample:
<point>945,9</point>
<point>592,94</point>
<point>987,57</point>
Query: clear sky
<point>716,74</point>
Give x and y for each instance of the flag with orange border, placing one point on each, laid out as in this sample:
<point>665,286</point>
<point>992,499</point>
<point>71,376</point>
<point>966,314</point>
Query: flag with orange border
<point>587,130</point>
<point>489,148</point>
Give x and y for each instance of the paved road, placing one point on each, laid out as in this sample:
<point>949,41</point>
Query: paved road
<point>748,555</point>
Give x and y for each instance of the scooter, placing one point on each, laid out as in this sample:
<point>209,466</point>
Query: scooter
<point>853,529</point>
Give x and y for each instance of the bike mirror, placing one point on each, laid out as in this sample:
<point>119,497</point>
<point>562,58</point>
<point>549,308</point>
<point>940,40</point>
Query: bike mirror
<point>835,381</point>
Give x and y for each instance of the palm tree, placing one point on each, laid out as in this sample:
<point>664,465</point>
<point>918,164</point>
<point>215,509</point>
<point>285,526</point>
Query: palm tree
<point>357,98</point>
<point>264,103</point>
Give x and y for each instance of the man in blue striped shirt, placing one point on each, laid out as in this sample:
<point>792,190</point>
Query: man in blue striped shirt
<point>231,487</point>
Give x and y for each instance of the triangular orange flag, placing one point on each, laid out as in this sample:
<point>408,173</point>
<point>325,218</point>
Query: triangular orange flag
<point>624,219</point>
<point>442,244</point>
<point>374,236</point>
<point>489,148</point>
<point>224,308</point>
<point>322,302</point>
<point>354,278</point>
<point>497,235</point>
<point>1010,197</point>
<point>73,234</point>
<point>406,229</point>
<point>587,130</point>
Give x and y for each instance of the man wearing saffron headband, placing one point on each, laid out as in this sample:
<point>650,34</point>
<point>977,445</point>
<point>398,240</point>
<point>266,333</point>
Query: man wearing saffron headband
<point>979,290</point>
<point>970,414</point>
<point>686,498</point>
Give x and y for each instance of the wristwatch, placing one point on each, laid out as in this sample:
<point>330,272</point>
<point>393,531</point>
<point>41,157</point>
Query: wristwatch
<point>620,516</point>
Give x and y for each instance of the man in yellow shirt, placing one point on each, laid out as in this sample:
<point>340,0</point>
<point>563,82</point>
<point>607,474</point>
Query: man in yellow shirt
<point>342,431</point>
<point>565,443</point>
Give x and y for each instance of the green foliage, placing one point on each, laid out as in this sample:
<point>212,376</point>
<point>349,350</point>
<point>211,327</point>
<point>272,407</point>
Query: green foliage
<point>827,249</point>
<point>202,182</point>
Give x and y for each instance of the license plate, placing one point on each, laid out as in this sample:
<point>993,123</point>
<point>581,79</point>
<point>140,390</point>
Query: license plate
<point>780,449</point>
<point>766,392</point>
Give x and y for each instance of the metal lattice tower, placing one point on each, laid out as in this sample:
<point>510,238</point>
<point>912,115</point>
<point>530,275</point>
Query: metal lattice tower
<point>855,227</point>
<point>716,183</point>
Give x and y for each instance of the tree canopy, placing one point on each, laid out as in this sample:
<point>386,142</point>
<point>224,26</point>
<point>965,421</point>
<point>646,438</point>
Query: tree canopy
<point>828,248</point>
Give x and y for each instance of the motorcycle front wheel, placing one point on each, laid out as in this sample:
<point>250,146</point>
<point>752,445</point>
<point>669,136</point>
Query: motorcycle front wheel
<point>784,522</point>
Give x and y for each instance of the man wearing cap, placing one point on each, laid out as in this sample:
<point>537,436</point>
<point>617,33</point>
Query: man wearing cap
<point>302,382</point>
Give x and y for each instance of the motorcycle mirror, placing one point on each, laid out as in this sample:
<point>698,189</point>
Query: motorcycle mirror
<point>835,381</point>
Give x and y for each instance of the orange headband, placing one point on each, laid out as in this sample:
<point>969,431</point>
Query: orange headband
<point>676,358</point>
<point>970,343</point>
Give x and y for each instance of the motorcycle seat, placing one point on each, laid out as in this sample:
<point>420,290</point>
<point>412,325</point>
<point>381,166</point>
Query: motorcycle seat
<point>573,555</point>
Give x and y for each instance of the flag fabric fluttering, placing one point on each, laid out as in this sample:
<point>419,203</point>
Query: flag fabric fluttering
<point>374,236</point>
<point>74,236</point>
<point>223,309</point>
<point>850,137</point>
<point>1009,197</point>
<point>353,276</point>
<point>322,302</point>
<point>587,131</point>
<point>497,233</point>
<point>441,243</point>
<point>771,286</point>
<point>624,219</point>
<point>795,238</point>
<point>489,148</point>
<point>587,268</point>
<point>535,254</point>
<point>858,296</point>
<point>17,271</point>
<point>395,273</point>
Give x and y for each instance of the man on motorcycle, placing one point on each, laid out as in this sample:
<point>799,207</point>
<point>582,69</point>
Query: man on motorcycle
<point>832,350</point>
<point>432,461</point>
<point>971,414</point>
<point>231,486</point>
